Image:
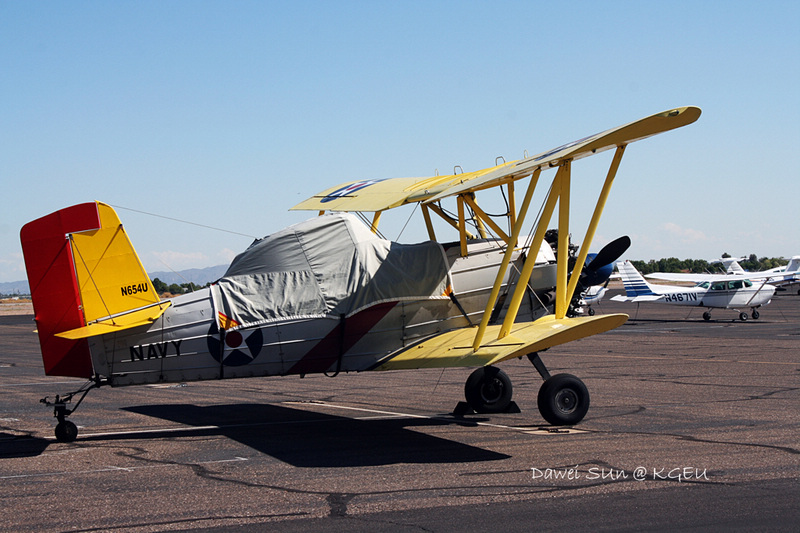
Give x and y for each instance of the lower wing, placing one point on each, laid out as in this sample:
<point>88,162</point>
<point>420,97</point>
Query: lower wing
<point>454,348</point>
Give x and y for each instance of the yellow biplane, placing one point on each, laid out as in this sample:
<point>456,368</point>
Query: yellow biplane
<point>329,295</point>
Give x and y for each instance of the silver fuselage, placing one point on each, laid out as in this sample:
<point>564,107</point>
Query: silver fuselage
<point>186,344</point>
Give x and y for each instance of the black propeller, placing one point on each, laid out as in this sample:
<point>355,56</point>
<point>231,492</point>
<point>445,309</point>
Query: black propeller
<point>610,253</point>
<point>601,266</point>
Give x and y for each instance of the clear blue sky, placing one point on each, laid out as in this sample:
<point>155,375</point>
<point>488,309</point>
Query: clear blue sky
<point>229,113</point>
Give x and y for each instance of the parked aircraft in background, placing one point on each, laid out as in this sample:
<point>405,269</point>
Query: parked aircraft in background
<point>328,295</point>
<point>592,296</point>
<point>784,277</point>
<point>711,291</point>
<point>730,264</point>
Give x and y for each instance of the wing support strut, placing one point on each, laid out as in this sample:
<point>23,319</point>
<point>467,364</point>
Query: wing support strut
<point>565,288</point>
<point>481,215</point>
<point>598,211</point>
<point>438,210</point>
<point>498,282</point>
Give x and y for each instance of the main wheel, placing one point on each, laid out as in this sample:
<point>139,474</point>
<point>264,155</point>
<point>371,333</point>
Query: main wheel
<point>743,316</point>
<point>563,400</point>
<point>488,390</point>
<point>66,431</point>
<point>755,314</point>
<point>706,316</point>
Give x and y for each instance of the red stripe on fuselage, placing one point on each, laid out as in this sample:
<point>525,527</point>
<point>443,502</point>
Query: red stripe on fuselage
<point>326,352</point>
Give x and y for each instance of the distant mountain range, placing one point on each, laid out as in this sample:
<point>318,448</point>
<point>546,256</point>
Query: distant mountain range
<point>198,276</point>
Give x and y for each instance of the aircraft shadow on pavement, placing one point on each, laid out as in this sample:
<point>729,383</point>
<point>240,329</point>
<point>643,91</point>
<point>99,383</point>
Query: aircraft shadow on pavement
<point>313,440</point>
<point>15,446</point>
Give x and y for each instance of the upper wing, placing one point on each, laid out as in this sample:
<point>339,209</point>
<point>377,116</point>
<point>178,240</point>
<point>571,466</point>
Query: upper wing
<point>381,194</point>
<point>378,195</point>
<point>619,136</point>
<point>454,348</point>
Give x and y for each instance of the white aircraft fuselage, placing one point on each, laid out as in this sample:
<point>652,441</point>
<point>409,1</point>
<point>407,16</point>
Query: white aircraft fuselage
<point>734,293</point>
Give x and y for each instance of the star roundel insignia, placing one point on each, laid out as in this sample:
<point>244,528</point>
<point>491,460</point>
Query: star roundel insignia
<point>241,346</point>
<point>347,189</point>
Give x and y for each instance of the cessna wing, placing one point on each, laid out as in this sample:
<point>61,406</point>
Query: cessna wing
<point>700,278</point>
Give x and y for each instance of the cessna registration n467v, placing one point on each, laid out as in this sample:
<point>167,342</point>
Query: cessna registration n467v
<point>327,295</point>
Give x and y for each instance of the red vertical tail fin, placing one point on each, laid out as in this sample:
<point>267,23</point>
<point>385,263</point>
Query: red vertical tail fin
<point>54,287</point>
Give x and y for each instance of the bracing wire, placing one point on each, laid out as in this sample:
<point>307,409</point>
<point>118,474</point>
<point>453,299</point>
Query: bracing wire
<point>91,278</point>
<point>368,222</point>
<point>184,221</point>
<point>407,221</point>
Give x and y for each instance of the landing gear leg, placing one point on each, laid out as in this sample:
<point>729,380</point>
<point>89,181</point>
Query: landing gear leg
<point>563,399</point>
<point>66,431</point>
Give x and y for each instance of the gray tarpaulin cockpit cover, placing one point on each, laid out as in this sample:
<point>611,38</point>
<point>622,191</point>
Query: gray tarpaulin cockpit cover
<point>328,266</point>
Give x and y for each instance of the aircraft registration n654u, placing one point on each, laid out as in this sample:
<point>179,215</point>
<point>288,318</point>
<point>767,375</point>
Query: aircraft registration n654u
<point>328,295</point>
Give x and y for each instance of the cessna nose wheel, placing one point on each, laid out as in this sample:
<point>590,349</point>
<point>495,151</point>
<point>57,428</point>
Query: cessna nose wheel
<point>66,431</point>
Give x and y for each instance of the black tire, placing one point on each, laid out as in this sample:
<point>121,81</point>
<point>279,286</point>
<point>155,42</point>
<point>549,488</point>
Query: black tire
<point>488,390</point>
<point>66,431</point>
<point>706,316</point>
<point>563,400</point>
<point>755,314</point>
<point>743,316</point>
<point>591,312</point>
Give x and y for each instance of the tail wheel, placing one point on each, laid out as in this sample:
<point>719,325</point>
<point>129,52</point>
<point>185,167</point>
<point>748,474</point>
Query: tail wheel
<point>488,390</point>
<point>563,400</point>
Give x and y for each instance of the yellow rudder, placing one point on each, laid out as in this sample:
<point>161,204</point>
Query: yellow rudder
<point>111,278</point>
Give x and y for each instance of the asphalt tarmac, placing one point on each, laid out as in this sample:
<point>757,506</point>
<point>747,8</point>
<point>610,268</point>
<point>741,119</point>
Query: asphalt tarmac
<point>693,426</point>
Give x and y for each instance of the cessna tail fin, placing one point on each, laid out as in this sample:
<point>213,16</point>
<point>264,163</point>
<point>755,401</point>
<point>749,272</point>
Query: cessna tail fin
<point>83,273</point>
<point>635,284</point>
<point>732,266</point>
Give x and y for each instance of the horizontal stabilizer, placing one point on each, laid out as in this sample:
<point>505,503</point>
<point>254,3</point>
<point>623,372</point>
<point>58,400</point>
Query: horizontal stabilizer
<point>123,321</point>
<point>454,348</point>
<point>641,298</point>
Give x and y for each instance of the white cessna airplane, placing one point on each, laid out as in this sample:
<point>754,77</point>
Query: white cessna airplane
<point>784,277</point>
<point>720,291</point>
